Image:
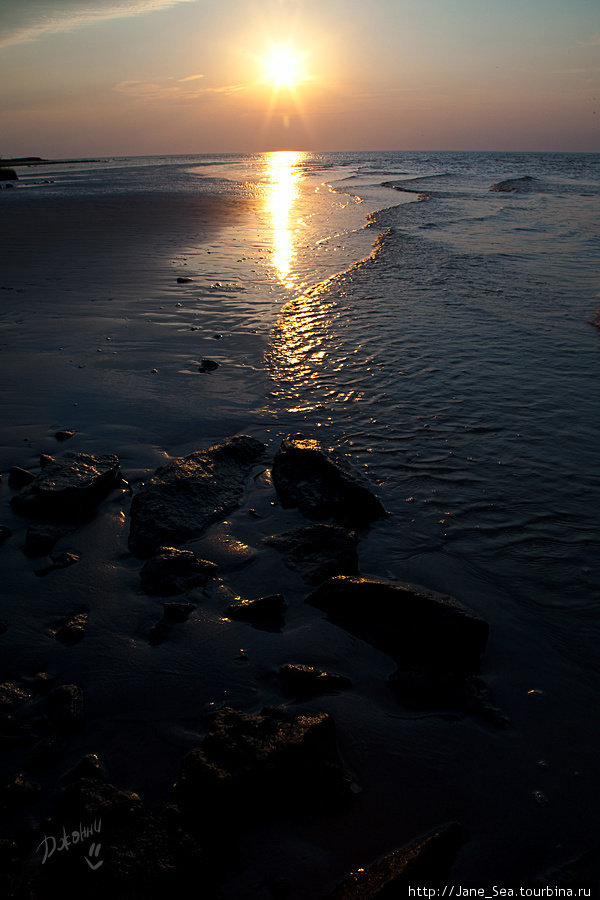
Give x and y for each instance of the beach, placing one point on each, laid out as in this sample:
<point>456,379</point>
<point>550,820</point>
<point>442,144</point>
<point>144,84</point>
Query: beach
<point>450,364</point>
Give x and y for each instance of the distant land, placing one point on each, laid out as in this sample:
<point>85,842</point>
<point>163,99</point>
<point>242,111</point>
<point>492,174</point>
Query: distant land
<point>38,161</point>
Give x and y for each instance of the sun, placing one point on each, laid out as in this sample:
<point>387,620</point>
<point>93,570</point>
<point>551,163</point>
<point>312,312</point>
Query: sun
<point>283,67</point>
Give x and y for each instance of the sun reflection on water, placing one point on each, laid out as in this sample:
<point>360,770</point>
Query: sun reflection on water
<point>283,176</point>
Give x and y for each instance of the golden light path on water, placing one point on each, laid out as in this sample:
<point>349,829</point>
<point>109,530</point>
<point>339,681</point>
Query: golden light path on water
<point>283,176</point>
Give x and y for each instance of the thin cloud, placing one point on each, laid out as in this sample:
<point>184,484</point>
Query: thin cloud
<point>30,20</point>
<point>593,41</point>
<point>190,78</point>
<point>150,90</point>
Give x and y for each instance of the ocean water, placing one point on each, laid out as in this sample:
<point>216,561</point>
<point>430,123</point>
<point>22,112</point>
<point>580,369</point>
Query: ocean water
<point>436,332</point>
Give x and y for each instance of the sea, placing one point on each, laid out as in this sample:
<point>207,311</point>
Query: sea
<point>434,318</point>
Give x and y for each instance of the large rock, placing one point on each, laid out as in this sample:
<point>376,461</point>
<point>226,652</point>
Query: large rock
<point>412,624</point>
<point>308,681</point>
<point>265,612</point>
<point>435,640</point>
<point>69,486</point>
<point>426,862</point>
<point>251,765</point>
<point>190,493</point>
<point>172,571</point>
<point>318,551</point>
<point>322,485</point>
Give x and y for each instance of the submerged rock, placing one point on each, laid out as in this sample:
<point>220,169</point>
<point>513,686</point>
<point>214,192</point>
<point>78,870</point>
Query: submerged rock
<point>189,493</point>
<point>19,791</point>
<point>425,862</point>
<point>71,631</point>
<point>65,706</point>
<point>265,612</point>
<point>173,613</point>
<point>322,485</point>
<point>512,185</point>
<point>40,539</point>
<point>69,486</point>
<point>172,571</point>
<point>306,681</point>
<point>64,435</point>
<point>58,561</point>
<point>254,764</point>
<point>208,365</point>
<point>177,612</point>
<point>19,478</point>
<point>318,551</point>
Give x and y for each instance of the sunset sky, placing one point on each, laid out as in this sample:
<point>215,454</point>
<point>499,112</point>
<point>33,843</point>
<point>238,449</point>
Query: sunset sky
<point>197,76</point>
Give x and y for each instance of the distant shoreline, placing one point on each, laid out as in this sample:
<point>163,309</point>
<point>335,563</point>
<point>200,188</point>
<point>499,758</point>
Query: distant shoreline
<point>38,161</point>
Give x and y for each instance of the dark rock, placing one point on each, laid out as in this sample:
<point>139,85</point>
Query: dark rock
<point>177,612</point>
<point>137,854</point>
<point>64,435</point>
<point>19,478</point>
<point>208,365</point>
<point>64,705</point>
<point>8,174</point>
<point>425,862</point>
<point>70,486</point>
<point>173,613</point>
<point>306,681</point>
<point>261,764</point>
<point>322,485</point>
<point>89,766</point>
<point>265,613</point>
<point>40,539</point>
<point>45,458</point>
<point>13,700</point>
<point>159,633</point>
<point>174,571</point>
<point>45,754</point>
<point>10,868</point>
<point>5,533</point>
<point>71,631</point>
<point>512,185</point>
<point>19,791</point>
<point>318,551</point>
<point>58,561</point>
<point>412,624</point>
<point>188,494</point>
<point>427,686</point>
<point>183,280</point>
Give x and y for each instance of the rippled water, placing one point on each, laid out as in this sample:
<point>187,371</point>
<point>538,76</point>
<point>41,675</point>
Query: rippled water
<point>392,306</point>
<point>459,365</point>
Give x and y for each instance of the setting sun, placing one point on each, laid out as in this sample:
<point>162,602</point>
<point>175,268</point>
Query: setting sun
<point>282,67</point>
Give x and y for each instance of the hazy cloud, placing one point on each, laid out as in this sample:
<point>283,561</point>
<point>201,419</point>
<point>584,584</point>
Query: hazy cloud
<point>151,90</point>
<point>593,41</point>
<point>28,20</point>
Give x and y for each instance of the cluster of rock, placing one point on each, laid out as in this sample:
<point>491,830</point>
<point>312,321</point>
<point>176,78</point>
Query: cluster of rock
<point>276,761</point>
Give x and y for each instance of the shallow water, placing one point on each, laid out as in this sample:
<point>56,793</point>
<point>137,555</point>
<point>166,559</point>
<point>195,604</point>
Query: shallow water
<point>439,336</point>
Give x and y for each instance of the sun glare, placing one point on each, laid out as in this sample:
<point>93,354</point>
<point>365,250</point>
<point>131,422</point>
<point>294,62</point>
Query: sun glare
<point>282,67</point>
